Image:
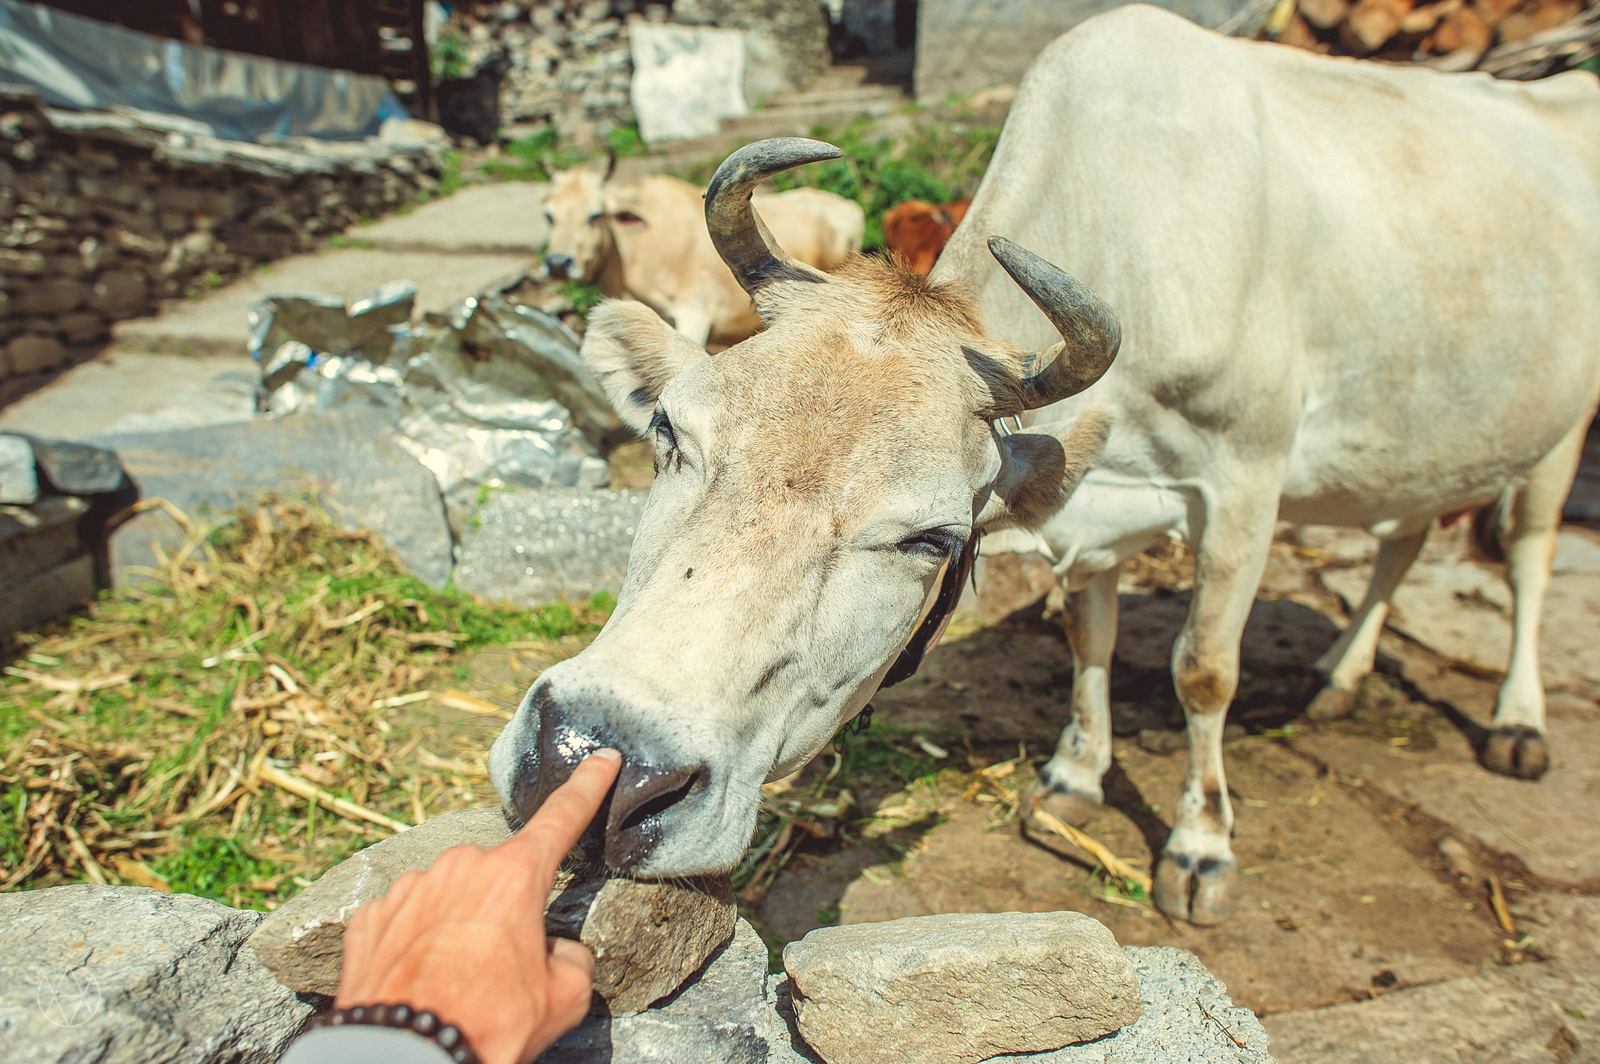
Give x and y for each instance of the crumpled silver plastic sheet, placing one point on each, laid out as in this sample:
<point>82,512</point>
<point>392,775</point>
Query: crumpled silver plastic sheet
<point>490,395</point>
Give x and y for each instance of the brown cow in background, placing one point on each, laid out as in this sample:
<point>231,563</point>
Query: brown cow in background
<point>917,230</point>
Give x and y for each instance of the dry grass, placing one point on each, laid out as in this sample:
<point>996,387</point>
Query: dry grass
<point>261,708</point>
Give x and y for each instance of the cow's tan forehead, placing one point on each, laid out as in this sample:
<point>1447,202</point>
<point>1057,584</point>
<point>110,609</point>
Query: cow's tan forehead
<point>825,406</point>
<point>574,186</point>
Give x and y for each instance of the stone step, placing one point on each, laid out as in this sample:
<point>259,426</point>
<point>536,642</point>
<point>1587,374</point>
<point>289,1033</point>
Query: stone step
<point>842,75</point>
<point>857,94</point>
<point>799,121</point>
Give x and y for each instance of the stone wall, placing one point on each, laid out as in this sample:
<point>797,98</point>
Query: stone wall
<point>965,45</point>
<point>102,215</point>
<point>569,64</point>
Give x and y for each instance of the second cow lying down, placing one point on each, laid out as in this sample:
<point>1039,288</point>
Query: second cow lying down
<point>646,239</point>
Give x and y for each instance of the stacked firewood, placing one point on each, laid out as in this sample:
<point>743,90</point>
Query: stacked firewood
<point>1509,38</point>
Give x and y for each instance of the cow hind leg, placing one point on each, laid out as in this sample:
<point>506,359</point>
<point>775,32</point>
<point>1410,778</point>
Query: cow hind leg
<point>1196,874</point>
<point>1348,661</point>
<point>1069,783</point>
<point>1516,744</point>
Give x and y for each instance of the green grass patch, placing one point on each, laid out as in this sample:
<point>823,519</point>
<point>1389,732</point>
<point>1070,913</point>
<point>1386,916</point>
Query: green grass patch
<point>934,161</point>
<point>132,736</point>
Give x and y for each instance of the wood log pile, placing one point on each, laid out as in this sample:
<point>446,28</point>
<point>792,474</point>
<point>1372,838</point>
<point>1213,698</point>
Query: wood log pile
<point>1520,39</point>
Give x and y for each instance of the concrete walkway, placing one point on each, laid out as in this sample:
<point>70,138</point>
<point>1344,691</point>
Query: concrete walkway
<point>187,366</point>
<point>482,236</point>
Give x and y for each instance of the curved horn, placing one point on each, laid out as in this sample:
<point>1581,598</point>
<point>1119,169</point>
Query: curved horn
<point>1089,331</point>
<point>737,231</point>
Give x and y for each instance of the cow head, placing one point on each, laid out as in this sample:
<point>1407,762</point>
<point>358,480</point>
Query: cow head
<point>580,229</point>
<point>812,484</point>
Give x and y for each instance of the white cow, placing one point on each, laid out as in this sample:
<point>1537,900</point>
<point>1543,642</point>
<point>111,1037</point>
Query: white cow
<point>1350,294</point>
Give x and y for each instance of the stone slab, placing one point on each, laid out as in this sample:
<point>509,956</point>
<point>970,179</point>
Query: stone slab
<point>1505,815</point>
<point>537,546</point>
<point>958,987</point>
<point>216,323</point>
<point>127,975</point>
<point>1531,1013</point>
<point>127,391</point>
<point>721,1017</point>
<point>1187,1017</point>
<point>303,940</point>
<point>349,457</point>
<point>503,217</point>
<point>647,938</point>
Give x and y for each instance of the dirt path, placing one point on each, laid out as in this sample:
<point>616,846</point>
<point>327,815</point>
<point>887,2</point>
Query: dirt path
<point>1344,894</point>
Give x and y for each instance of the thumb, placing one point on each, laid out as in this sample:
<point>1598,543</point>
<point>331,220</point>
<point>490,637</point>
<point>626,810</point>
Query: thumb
<point>572,971</point>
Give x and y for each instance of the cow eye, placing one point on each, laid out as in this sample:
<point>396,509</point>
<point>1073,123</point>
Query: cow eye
<point>666,439</point>
<point>937,543</point>
<point>549,219</point>
<point>596,219</point>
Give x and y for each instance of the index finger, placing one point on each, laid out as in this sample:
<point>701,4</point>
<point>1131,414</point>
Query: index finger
<point>555,828</point>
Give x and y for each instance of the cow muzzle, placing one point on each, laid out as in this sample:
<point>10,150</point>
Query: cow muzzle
<point>559,267</point>
<point>653,796</point>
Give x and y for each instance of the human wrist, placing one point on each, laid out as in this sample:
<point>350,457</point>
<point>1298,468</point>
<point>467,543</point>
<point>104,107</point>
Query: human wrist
<point>400,1016</point>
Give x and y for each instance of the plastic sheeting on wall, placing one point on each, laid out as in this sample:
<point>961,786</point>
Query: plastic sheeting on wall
<point>80,63</point>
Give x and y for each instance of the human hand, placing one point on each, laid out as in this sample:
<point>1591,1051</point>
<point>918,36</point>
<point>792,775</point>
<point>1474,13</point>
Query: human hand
<point>465,940</point>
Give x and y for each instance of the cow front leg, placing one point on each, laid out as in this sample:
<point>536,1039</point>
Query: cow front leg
<point>1195,877</point>
<point>1516,744</point>
<point>1350,659</point>
<point>1069,783</point>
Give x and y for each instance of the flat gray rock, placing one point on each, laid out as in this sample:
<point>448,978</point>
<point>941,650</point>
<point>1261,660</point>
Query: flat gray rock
<point>350,457</point>
<point>1188,1017</point>
<point>721,1017</point>
<point>647,938</point>
<point>539,545</point>
<point>959,987</point>
<point>303,940</point>
<point>127,975</point>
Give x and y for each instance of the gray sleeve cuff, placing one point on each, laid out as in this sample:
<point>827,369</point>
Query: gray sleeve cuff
<point>362,1044</point>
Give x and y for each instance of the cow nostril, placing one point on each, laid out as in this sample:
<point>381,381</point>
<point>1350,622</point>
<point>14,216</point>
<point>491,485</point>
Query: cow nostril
<point>559,266</point>
<point>642,793</point>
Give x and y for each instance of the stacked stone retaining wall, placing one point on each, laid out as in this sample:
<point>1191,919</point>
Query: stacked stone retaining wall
<point>103,215</point>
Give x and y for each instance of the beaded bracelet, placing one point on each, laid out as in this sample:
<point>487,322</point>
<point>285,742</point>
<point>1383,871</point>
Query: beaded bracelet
<point>446,1036</point>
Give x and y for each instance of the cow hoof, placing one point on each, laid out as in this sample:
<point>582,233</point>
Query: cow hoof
<point>1331,703</point>
<point>1199,890</point>
<point>1074,809</point>
<point>1516,750</point>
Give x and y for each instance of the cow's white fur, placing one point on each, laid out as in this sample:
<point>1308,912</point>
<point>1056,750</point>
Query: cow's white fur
<point>1350,294</point>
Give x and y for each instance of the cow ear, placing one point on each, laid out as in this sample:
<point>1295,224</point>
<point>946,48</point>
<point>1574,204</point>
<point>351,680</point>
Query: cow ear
<point>1040,468</point>
<point>635,354</point>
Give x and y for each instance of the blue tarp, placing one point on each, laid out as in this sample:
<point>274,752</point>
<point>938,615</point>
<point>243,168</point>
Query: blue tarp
<point>79,63</point>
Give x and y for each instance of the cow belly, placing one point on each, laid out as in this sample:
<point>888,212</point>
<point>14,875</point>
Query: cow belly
<point>1110,518</point>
